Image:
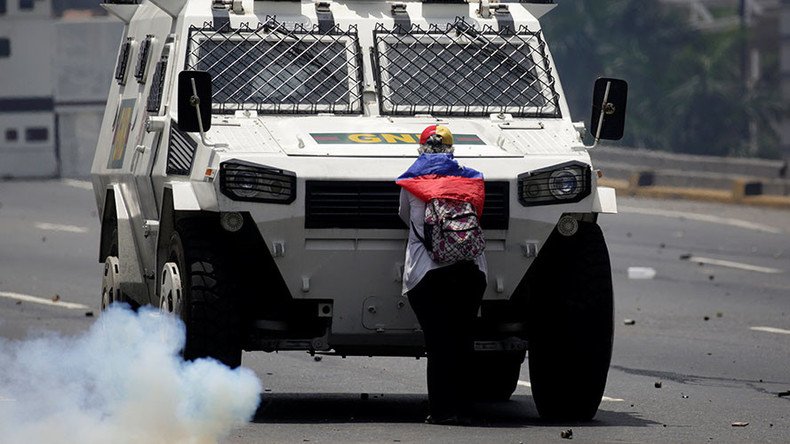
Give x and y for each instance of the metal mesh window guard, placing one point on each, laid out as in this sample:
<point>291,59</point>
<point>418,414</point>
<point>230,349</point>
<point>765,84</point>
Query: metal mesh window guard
<point>466,71</point>
<point>278,69</point>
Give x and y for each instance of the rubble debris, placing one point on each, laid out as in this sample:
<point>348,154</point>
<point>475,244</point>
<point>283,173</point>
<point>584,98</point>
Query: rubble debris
<point>56,298</point>
<point>88,314</point>
<point>685,256</point>
<point>684,396</point>
<point>740,424</point>
<point>18,302</point>
<point>711,277</point>
<point>783,394</point>
<point>706,318</point>
<point>317,358</point>
<point>719,314</point>
<point>567,434</point>
<point>629,321</point>
<point>641,273</point>
<point>658,384</point>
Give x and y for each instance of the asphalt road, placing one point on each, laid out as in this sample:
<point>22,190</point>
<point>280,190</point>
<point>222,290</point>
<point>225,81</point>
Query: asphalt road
<point>716,335</point>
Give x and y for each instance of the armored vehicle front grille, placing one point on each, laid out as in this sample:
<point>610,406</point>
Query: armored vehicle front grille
<point>368,204</point>
<point>180,153</point>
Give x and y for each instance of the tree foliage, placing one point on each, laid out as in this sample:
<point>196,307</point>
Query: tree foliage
<point>686,87</point>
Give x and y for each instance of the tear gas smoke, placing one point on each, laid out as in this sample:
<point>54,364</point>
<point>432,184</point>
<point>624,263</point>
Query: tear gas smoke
<point>119,382</point>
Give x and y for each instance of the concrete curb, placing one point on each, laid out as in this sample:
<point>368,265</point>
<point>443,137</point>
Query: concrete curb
<point>737,195</point>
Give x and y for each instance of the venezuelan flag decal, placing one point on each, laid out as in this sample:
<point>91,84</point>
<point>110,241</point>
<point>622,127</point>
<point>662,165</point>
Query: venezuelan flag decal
<point>434,176</point>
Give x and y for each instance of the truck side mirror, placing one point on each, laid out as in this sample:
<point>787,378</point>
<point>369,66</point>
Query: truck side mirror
<point>608,109</point>
<point>194,101</point>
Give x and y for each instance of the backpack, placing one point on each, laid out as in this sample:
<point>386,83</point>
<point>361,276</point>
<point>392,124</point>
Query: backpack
<point>452,231</point>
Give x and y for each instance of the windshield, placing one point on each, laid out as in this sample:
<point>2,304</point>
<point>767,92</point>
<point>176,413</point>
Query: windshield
<point>274,70</point>
<point>464,71</point>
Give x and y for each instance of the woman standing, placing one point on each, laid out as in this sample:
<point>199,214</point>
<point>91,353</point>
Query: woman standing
<point>445,296</point>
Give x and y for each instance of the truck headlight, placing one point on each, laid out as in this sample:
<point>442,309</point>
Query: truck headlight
<point>246,181</point>
<point>565,183</point>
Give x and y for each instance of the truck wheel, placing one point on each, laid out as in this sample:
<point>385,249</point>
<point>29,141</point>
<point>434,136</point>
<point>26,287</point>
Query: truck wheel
<point>111,279</point>
<point>198,288</point>
<point>110,282</point>
<point>572,324</point>
<point>495,374</point>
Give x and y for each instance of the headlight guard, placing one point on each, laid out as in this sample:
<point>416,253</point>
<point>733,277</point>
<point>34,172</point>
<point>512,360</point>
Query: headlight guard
<point>250,182</point>
<point>568,182</point>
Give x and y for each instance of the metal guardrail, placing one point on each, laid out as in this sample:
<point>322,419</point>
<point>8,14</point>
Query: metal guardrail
<point>644,159</point>
<point>671,175</point>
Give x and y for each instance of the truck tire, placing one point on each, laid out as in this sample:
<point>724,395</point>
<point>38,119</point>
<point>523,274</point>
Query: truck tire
<point>207,301</point>
<point>495,374</point>
<point>571,324</point>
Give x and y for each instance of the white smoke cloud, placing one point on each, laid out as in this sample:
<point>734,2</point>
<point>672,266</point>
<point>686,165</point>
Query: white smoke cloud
<point>119,382</point>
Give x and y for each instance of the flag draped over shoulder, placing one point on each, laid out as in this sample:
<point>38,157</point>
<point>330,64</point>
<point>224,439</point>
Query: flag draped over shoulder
<point>434,176</point>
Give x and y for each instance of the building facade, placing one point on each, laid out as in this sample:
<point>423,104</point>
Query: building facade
<point>55,70</point>
<point>28,133</point>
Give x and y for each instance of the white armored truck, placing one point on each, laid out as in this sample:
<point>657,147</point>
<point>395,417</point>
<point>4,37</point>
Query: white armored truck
<point>245,178</point>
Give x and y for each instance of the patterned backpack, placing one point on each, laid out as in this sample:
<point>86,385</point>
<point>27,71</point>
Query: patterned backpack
<point>452,231</point>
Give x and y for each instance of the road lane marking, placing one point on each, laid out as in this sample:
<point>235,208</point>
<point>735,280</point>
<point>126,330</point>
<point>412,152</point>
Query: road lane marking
<point>771,330</point>
<point>58,227</point>
<point>605,398</point>
<point>731,264</point>
<point>42,301</point>
<point>5,399</point>
<point>703,218</point>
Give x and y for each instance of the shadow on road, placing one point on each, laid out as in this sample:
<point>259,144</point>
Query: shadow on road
<point>323,408</point>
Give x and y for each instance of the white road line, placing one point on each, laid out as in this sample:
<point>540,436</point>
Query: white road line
<point>81,184</point>
<point>5,399</point>
<point>703,218</point>
<point>42,301</point>
<point>731,264</point>
<point>605,398</point>
<point>771,330</point>
<point>57,227</point>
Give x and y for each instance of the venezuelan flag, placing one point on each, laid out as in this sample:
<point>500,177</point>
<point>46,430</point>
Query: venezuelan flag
<point>435,176</point>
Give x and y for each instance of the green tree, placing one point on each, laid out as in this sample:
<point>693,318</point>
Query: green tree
<point>686,92</point>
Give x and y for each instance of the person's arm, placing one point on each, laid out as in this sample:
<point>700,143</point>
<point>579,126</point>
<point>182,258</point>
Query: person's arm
<point>404,211</point>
